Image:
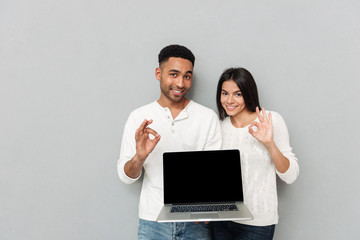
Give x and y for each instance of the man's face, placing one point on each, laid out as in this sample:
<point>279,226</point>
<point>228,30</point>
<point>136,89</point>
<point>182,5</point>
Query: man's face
<point>175,76</point>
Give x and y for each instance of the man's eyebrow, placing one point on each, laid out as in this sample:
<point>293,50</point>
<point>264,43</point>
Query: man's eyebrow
<point>177,71</point>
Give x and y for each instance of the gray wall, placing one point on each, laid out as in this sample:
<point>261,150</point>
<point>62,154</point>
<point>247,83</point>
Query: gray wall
<point>72,70</point>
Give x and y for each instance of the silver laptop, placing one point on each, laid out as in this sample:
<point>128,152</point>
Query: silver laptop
<point>203,186</point>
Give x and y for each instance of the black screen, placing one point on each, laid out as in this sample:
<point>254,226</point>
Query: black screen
<point>202,176</point>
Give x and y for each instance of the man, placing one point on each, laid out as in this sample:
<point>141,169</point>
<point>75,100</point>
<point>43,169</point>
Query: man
<point>177,124</point>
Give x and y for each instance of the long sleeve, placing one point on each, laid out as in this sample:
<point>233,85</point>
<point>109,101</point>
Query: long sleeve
<point>127,151</point>
<point>282,141</point>
<point>214,138</point>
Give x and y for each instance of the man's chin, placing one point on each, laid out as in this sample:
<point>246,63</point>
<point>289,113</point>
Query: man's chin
<point>177,100</point>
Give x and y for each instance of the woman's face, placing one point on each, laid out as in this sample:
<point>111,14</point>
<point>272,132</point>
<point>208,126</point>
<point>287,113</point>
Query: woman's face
<point>231,98</point>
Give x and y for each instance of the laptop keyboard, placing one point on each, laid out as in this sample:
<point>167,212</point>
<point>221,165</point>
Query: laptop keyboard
<point>206,208</point>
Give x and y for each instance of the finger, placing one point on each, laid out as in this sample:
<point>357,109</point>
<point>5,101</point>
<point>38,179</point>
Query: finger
<point>151,131</point>
<point>270,119</point>
<point>148,123</point>
<point>156,139</point>
<point>143,125</point>
<point>251,127</point>
<point>140,130</point>
<point>259,114</point>
<point>254,124</point>
<point>264,114</point>
<point>251,131</point>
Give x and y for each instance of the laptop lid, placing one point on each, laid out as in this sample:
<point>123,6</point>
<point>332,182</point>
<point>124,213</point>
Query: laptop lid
<point>202,177</point>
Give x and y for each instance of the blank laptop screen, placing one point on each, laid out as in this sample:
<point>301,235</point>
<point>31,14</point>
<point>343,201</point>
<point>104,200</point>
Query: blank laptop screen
<point>202,177</point>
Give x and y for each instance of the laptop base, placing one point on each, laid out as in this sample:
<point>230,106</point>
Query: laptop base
<point>166,215</point>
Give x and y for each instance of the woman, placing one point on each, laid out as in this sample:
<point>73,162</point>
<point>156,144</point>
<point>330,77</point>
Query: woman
<point>263,141</point>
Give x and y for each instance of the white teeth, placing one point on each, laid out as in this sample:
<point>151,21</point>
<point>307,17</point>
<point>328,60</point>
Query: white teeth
<point>176,91</point>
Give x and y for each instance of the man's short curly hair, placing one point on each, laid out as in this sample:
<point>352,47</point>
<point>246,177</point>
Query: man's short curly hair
<point>175,51</point>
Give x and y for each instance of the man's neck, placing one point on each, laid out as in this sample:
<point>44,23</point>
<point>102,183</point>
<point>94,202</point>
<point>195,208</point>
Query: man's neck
<point>175,107</point>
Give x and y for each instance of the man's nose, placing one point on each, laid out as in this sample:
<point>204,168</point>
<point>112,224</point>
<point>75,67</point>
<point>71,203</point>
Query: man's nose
<point>180,82</point>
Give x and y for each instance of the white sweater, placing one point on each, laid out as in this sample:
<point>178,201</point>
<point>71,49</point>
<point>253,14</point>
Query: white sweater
<point>195,128</point>
<point>258,170</point>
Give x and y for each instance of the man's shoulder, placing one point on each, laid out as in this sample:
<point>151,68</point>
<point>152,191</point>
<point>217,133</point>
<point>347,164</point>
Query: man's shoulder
<point>144,109</point>
<point>138,115</point>
<point>200,109</point>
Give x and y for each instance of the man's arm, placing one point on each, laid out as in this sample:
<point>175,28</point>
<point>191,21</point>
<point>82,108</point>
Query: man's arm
<point>214,137</point>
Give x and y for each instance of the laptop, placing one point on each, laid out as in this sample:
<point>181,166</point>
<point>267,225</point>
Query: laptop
<point>201,186</point>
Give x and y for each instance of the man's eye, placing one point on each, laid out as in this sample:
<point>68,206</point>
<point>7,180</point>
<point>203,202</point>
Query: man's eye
<point>187,77</point>
<point>173,74</point>
<point>224,93</point>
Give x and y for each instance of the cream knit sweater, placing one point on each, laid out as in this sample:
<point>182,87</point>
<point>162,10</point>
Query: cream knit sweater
<point>258,170</point>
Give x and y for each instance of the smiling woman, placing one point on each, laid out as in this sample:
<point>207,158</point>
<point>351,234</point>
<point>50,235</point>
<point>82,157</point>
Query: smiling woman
<point>265,152</point>
<point>239,80</point>
<point>233,103</point>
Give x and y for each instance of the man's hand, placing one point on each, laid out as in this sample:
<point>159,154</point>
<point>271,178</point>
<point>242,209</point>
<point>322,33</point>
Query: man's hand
<point>145,145</point>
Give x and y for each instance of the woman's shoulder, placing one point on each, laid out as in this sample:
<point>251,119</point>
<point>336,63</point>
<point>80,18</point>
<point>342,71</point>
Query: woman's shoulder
<point>277,120</point>
<point>274,114</point>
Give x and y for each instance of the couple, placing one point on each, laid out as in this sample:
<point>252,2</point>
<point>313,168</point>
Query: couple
<point>175,123</point>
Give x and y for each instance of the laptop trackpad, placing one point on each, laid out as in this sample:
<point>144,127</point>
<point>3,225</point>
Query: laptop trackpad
<point>203,215</point>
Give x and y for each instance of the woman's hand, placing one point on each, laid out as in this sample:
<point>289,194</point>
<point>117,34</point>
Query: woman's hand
<point>264,133</point>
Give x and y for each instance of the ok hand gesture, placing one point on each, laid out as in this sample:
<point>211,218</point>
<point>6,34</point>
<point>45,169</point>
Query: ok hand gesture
<point>145,145</point>
<point>264,133</point>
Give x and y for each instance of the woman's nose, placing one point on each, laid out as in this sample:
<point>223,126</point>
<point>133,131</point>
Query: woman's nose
<point>230,99</point>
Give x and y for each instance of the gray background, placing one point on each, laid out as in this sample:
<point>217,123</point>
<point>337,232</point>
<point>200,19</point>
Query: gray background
<point>72,70</point>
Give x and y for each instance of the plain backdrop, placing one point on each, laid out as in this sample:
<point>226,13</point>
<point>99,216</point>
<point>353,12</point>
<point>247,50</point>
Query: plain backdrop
<point>71,71</point>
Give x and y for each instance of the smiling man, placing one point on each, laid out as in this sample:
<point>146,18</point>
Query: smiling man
<point>177,124</point>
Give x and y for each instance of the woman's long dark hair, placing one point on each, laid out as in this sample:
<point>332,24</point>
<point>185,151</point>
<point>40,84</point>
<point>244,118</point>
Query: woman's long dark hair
<point>246,84</point>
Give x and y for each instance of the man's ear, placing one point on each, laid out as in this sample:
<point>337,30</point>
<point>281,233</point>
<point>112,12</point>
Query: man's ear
<point>157,73</point>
